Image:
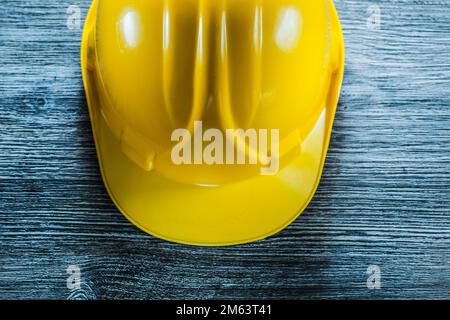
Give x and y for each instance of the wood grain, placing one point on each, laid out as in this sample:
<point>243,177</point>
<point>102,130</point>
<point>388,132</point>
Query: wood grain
<point>384,196</point>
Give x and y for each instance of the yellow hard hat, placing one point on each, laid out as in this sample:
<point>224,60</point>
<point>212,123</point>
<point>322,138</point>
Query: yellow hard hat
<point>255,80</point>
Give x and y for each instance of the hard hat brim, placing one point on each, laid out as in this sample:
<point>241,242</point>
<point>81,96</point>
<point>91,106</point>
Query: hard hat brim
<point>229,214</point>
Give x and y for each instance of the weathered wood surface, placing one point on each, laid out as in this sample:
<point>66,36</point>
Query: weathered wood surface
<point>383,200</point>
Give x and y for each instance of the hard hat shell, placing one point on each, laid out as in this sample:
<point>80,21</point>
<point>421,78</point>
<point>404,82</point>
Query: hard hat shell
<point>151,67</point>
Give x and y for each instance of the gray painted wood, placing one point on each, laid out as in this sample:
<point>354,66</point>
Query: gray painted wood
<point>383,200</point>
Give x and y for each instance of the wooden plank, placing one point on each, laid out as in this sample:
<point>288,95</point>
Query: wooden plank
<point>383,200</point>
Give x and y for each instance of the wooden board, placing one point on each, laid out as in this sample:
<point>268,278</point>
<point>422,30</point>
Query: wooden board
<point>383,199</point>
